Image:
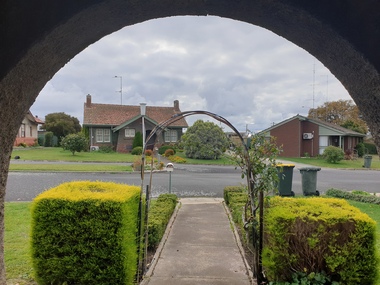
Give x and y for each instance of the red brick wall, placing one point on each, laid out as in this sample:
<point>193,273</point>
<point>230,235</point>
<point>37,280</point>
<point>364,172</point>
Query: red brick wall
<point>288,136</point>
<point>310,146</point>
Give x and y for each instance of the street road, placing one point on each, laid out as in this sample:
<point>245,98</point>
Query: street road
<point>187,181</point>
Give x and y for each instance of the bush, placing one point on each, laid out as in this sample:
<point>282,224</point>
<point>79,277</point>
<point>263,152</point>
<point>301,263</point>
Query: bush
<point>163,149</point>
<point>74,142</point>
<point>137,150</point>
<point>148,152</point>
<point>159,216</point>
<point>177,159</point>
<point>371,148</point>
<point>137,140</point>
<point>355,196</point>
<point>169,152</point>
<point>106,149</point>
<point>360,148</point>
<point>48,142</point>
<point>319,235</point>
<point>22,144</point>
<point>85,233</point>
<point>333,154</point>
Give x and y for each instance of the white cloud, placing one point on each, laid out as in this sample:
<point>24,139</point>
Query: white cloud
<point>239,71</point>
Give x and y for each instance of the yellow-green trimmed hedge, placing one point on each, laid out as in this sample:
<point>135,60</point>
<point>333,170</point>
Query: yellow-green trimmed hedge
<point>85,233</point>
<point>316,235</point>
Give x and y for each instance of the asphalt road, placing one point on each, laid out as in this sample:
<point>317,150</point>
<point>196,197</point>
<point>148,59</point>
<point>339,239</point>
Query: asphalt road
<point>187,181</point>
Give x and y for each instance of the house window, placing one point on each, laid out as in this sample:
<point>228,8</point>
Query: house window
<point>23,130</point>
<point>171,136</point>
<point>130,133</point>
<point>103,135</point>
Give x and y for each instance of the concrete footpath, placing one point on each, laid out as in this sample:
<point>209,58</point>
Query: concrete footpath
<point>200,246</point>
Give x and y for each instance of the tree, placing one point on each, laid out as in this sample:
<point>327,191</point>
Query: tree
<point>74,142</point>
<point>61,125</point>
<point>137,140</point>
<point>343,113</point>
<point>204,140</point>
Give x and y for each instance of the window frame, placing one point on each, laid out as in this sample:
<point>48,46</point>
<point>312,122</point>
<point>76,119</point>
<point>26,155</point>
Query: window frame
<point>168,136</point>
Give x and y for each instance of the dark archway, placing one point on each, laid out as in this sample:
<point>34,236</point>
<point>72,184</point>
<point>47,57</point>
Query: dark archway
<point>39,37</point>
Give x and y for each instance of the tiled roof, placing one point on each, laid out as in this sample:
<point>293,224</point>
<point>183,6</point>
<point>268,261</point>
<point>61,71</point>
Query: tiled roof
<point>114,115</point>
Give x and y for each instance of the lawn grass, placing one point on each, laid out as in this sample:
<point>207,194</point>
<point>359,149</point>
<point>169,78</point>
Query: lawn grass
<point>58,154</point>
<point>79,167</point>
<point>345,164</point>
<point>17,243</point>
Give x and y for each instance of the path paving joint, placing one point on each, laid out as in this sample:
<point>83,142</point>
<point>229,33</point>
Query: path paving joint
<point>200,246</point>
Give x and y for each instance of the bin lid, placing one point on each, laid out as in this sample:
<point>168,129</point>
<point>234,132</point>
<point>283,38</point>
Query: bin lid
<point>285,165</point>
<point>309,169</point>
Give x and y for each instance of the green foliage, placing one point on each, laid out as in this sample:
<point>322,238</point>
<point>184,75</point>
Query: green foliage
<point>360,148</point>
<point>74,142</point>
<point>333,154</point>
<point>371,148</point>
<point>137,140</point>
<point>85,233</point>
<point>301,278</point>
<point>204,140</point>
<point>22,144</point>
<point>163,148</point>
<point>355,126</point>
<point>106,149</point>
<point>177,159</point>
<point>61,125</point>
<point>159,216</point>
<point>262,162</point>
<point>48,142</point>
<point>169,152</point>
<point>319,235</point>
<point>355,196</point>
<point>137,150</point>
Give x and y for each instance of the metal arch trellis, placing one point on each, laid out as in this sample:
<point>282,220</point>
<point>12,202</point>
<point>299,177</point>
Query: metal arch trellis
<point>255,198</point>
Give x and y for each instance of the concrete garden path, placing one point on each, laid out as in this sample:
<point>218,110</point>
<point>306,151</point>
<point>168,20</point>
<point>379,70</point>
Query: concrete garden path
<point>199,247</point>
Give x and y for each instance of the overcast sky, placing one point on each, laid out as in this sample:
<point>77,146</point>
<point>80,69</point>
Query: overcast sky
<point>245,73</point>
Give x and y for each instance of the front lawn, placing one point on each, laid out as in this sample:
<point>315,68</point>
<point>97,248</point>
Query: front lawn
<point>346,164</point>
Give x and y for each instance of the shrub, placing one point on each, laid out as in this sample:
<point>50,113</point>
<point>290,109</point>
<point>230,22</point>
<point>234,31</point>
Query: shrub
<point>22,144</point>
<point>360,147</point>
<point>177,159</point>
<point>333,154</point>
<point>169,152</point>
<point>137,164</point>
<point>353,196</point>
<point>74,142</point>
<point>48,142</point>
<point>137,150</point>
<point>137,140</point>
<point>163,148</point>
<point>319,235</point>
<point>159,216</point>
<point>371,148</point>
<point>85,233</point>
<point>106,149</point>
<point>148,152</point>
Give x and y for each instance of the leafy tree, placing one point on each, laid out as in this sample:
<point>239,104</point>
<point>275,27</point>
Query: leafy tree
<point>74,142</point>
<point>343,113</point>
<point>204,140</point>
<point>61,125</point>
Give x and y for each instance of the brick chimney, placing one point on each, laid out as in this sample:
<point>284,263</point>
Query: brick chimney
<point>88,101</point>
<point>176,106</point>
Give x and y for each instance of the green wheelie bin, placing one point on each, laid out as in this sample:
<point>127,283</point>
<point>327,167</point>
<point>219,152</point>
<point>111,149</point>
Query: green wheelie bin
<point>285,179</point>
<point>309,180</point>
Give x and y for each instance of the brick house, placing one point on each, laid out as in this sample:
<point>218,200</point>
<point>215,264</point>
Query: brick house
<point>301,136</point>
<point>28,131</point>
<point>116,125</point>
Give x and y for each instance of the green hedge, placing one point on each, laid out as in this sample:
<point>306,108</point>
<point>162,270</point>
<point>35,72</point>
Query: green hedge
<point>164,148</point>
<point>314,235</point>
<point>159,215</point>
<point>365,198</point>
<point>85,233</point>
